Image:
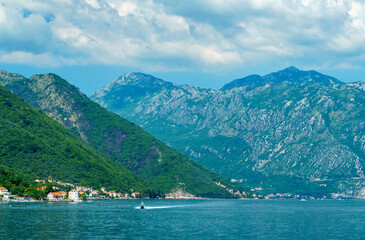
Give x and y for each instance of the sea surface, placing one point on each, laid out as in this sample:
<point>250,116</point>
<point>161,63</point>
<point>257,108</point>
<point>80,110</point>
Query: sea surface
<point>184,219</point>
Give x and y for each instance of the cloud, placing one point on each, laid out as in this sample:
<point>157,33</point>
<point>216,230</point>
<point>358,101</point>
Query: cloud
<point>210,35</point>
<point>20,31</point>
<point>39,60</point>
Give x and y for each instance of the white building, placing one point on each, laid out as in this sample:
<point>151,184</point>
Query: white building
<point>4,192</point>
<point>54,196</point>
<point>74,195</point>
<point>112,194</point>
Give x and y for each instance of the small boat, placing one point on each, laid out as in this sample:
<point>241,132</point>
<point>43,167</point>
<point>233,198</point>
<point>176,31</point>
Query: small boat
<point>142,205</point>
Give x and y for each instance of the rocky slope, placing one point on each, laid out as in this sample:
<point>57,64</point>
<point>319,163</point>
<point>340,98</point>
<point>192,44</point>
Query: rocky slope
<point>161,166</point>
<point>35,146</point>
<point>298,131</point>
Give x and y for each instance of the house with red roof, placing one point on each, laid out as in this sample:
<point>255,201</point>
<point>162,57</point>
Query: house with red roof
<point>135,194</point>
<point>112,194</point>
<point>4,192</point>
<point>56,196</point>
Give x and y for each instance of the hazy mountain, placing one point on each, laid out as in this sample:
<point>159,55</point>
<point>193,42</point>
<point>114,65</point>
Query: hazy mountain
<point>292,130</point>
<point>35,146</point>
<point>163,167</point>
<point>290,74</point>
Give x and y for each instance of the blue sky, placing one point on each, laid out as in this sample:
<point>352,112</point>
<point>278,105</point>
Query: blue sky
<point>206,43</point>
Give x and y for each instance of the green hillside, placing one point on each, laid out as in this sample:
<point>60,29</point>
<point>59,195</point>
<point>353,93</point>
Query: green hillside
<point>35,146</point>
<point>163,167</point>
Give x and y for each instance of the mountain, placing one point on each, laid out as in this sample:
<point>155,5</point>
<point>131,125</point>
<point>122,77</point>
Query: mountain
<point>289,131</point>
<point>35,146</point>
<point>290,74</point>
<point>163,167</point>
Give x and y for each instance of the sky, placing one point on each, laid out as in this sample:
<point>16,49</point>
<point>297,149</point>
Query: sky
<point>205,43</point>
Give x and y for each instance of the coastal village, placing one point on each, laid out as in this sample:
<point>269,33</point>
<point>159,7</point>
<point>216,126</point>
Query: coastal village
<point>58,191</point>
<point>236,193</point>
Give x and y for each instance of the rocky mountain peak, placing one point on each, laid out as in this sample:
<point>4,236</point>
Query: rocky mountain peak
<point>10,77</point>
<point>134,84</point>
<point>290,74</point>
<point>291,69</point>
<point>137,78</point>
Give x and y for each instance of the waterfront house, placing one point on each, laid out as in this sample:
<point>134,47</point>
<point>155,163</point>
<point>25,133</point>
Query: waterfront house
<point>135,194</point>
<point>112,194</point>
<point>94,194</point>
<point>103,189</point>
<point>73,195</point>
<point>54,196</point>
<point>4,192</point>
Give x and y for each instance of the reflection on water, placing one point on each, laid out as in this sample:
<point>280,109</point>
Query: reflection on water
<point>184,219</point>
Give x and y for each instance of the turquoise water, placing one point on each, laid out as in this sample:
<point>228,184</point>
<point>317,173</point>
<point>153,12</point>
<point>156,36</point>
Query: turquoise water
<point>184,219</point>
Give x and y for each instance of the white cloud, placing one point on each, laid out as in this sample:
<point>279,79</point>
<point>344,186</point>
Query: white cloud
<point>352,38</point>
<point>93,3</point>
<point>213,35</point>
<point>19,32</point>
<point>39,60</point>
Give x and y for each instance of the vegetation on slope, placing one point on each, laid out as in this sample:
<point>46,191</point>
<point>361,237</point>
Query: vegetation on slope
<point>163,167</point>
<point>35,146</point>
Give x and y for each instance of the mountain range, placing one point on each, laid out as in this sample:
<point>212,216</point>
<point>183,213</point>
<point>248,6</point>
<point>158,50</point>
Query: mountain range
<point>114,137</point>
<point>288,131</point>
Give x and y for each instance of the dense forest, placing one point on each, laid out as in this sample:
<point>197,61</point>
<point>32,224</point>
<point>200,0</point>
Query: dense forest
<point>33,145</point>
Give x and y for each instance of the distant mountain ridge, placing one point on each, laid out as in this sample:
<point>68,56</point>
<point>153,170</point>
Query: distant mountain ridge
<point>291,130</point>
<point>290,74</point>
<point>164,168</point>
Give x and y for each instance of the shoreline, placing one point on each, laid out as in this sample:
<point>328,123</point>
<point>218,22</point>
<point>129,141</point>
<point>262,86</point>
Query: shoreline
<point>107,199</point>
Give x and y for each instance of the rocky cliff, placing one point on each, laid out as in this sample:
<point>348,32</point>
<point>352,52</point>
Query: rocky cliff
<point>292,130</point>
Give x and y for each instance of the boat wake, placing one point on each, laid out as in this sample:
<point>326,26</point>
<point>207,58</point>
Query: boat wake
<point>161,207</point>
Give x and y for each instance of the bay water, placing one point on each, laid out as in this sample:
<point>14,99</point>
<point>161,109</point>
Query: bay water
<point>184,219</point>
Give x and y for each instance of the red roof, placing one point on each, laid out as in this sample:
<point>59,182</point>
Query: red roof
<point>4,189</point>
<point>56,193</point>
